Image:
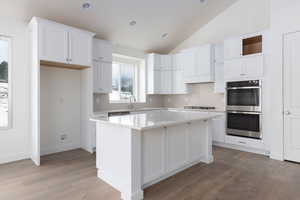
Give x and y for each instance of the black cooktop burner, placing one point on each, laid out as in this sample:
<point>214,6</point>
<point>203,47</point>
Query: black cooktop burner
<point>200,107</point>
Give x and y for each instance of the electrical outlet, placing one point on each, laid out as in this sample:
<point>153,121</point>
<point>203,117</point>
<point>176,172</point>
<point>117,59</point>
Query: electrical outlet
<point>97,100</point>
<point>63,137</point>
<point>169,100</point>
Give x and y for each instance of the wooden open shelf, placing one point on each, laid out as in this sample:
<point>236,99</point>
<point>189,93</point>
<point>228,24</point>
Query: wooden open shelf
<point>252,45</point>
<point>62,65</point>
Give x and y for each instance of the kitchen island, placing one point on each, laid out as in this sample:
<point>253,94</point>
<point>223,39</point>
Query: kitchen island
<point>137,150</point>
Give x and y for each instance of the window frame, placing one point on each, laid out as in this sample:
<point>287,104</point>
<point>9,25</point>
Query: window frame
<point>9,77</point>
<point>138,62</point>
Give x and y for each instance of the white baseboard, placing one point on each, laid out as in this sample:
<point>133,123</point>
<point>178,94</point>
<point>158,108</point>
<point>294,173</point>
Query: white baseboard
<point>241,148</point>
<point>14,157</point>
<point>66,147</point>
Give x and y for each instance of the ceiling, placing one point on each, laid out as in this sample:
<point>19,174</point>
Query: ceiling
<point>109,19</point>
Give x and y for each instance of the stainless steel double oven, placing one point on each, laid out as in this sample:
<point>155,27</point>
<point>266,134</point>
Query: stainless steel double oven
<point>243,107</point>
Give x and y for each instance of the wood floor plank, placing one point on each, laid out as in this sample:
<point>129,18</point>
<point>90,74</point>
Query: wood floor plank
<point>234,175</point>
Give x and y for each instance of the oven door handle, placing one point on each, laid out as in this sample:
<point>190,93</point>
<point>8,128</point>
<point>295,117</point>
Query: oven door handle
<point>243,88</point>
<point>240,112</point>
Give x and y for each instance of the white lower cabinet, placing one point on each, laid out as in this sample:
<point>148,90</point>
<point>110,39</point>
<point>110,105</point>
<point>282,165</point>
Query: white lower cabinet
<point>167,150</point>
<point>245,142</point>
<point>219,129</point>
<point>194,149</point>
<point>153,144</point>
<point>177,141</point>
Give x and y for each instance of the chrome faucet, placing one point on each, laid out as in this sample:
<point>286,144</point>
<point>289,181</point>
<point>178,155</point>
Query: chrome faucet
<point>131,101</point>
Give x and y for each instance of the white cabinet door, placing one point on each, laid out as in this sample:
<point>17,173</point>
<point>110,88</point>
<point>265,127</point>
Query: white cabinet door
<point>53,43</point>
<point>154,61</point>
<point>218,129</point>
<point>195,140</point>
<point>219,78</point>
<point>291,97</point>
<point>179,87</point>
<point>189,65</point>
<point>233,69</point>
<point>166,81</point>
<point>219,52</point>
<point>204,62</point>
<point>102,75</point>
<point>80,48</point>
<point>102,50</point>
<point>177,148</point>
<point>253,66</point>
<point>153,144</point>
<point>232,48</point>
<point>166,62</point>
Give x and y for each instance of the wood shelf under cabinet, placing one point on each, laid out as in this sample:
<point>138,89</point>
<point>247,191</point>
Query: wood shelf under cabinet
<point>62,65</point>
<point>252,45</point>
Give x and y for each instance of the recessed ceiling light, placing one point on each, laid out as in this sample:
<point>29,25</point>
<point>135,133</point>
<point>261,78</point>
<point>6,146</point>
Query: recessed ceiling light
<point>202,1</point>
<point>165,35</point>
<point>132,23</point>
<point>86,5</point>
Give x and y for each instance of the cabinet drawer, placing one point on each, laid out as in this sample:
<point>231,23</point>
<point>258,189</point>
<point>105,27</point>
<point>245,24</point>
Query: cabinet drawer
<point>246,142</point>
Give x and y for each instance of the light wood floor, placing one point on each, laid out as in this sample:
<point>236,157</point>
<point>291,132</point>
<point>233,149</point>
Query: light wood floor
<point>234,175</point>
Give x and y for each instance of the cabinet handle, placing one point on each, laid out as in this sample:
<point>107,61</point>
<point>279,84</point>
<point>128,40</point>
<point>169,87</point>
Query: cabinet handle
<point>242,142</point>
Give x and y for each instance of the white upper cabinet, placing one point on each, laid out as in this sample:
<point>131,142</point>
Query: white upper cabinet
<point>165,74</point>
<point>102,66</point>
<point>253,66</point>
<point>54,42</point>
<point>166,61</point>
<point>219,78</point>
<point>232,48</point>
<point>244,68</point>
<point>233,69</point>
<point>102,77</point>
<point>80,48</point>
<point>153,74</point>
<point>199,64</point>
<point>219,68</point>
<point>102,50</point>
<point>166,81</point>
<point>64,44</point>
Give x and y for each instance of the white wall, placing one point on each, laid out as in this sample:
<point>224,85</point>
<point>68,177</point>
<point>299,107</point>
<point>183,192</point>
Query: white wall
<point>14,142</point>
<point>242,17</point>
<point>285,17</point>
<point>60,109</point>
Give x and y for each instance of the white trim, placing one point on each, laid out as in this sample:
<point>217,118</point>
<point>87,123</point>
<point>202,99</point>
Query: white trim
<point>62,148</point>
<point>14,157</point>
<point>242,148</point>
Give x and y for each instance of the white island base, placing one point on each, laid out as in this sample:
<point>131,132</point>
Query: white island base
<point>130,159</point>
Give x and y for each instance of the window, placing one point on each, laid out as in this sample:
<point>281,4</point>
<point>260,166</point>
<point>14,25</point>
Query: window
<point>128,80</point>
<point>4,82</point>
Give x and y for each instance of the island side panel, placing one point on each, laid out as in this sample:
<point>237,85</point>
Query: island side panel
<point>119,159</point>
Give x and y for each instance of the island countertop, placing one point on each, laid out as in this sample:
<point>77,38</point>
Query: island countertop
<point>154,119</point>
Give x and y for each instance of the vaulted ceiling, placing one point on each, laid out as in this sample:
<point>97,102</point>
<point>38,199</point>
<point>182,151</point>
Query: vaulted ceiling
<point>109,19</point>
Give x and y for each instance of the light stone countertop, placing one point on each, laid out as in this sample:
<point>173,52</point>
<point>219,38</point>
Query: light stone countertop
<point>155,118</point>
